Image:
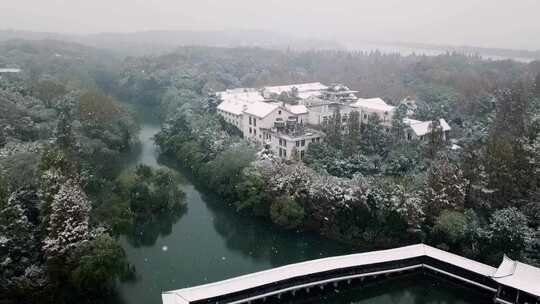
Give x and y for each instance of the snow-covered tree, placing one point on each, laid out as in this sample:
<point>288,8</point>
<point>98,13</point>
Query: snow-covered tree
<point>352,139</point>
<point>435,139</point>
<point>289,179</point>
<point>444,189</point>
<point>375,139</point>
<point>398,126</point>
<point>17,242</point>
<point>333,129</point>
<point>68,222</point>
<point>508,232</point>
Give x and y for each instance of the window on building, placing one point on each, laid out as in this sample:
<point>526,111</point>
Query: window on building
<point>250,131</point>
<point>303,142</point>
<point>279,112</point>
<point>302,154</point>
<point>255,122</point>
<point>280,152</point>
<point>250,120</point>
<point>318,139</point>
<point>313,140</point>
<point>298,143</point>
<point>284,153</point>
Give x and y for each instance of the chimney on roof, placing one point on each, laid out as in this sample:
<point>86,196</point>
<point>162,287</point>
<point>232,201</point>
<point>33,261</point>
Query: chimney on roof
<point>244,108</point>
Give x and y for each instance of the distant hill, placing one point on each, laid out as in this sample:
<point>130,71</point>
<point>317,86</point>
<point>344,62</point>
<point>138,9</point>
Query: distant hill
<point>158,42</point>
<point>73,64</point>
<point>161,42</point>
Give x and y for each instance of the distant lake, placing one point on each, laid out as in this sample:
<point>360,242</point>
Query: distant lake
<point>409,50</point>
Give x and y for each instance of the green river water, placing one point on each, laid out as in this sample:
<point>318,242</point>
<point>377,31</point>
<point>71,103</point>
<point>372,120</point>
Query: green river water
<point>212,242</point>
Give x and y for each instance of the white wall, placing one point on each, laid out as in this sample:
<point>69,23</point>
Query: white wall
<point>266,123</point>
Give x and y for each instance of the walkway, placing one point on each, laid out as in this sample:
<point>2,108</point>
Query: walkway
<point>506,283</point>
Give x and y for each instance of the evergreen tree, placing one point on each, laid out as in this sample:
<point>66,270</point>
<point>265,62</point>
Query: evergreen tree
<point>398,126</point>
<point>511,112</point>
<point>444,189</point>
<point>286,212</point>
<point>537,85</point>
<point>507,157</point>
<point>435,139</point>
<point>68,222</point>
<point>65,139</point>
<point>334,132</point>
<point>352,138</point>
<point>18,249</point>
<point>3,192</point>
<point>3,139</point>
<point>508,233</point>
<point>100,263</point>
<point>374,138</point>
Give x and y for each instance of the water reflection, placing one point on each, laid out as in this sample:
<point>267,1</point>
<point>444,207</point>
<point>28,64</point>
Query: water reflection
<point>146,231</point>
<point>410,289</point>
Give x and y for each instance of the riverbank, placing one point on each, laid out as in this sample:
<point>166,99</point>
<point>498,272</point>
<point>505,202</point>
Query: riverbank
<point>212,242</point>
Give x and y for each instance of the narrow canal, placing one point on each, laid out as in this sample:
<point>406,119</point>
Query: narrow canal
<point>211,242</point>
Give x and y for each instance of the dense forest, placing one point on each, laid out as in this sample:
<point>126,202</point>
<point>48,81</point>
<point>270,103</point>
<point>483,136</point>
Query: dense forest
<point>474,195</point>
<point>64,194</point>
<point>69,118</point>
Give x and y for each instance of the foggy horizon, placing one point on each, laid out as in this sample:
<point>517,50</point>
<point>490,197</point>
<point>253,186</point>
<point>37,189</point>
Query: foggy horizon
<point>478,23</point>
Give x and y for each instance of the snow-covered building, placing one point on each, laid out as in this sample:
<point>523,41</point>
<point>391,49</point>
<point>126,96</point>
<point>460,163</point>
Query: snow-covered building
<point>367,107</point>
<point>340,93</point>
<point>321,111</point>
<point>281,126</point>
<point>10,70</point>
<point>7,72</point>
<point>302,90</point>
<point>234,102</point>
<point>291,143</point>
<point>267,122</point>
<point>417,130</point>
<point>262,115</point>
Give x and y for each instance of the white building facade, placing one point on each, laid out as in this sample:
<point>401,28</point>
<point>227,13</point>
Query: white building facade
<point>281,126</point>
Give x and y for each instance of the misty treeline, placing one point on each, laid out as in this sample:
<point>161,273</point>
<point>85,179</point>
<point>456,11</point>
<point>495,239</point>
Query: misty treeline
<point>65,127</point>
<point>64,193</point>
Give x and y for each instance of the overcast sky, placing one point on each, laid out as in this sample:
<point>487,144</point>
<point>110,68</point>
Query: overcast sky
<point>490,23</point>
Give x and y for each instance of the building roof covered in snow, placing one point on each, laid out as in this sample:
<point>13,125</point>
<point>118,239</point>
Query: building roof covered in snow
<point>9,70</point>
<point>237,94</point>
<point>373,104</point>
<point>263,278</point>
<point>297,109</point>
<point>260,109</point>
<point>305,95</point>
<point>421,128</point>
<point>301,87</point>
<point>234,107</point>
<point>518,275</point>
<point>234,101</point>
